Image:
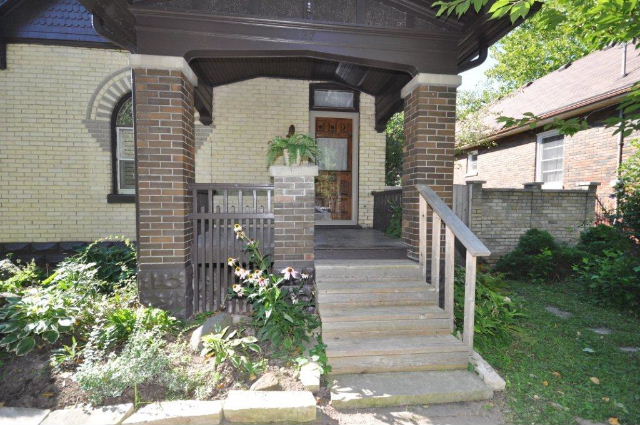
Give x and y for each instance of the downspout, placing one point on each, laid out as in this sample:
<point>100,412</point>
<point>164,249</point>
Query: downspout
<point>623,71</point>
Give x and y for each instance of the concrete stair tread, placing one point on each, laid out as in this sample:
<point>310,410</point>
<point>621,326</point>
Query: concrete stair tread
<point>332,301</point>
<point>374,313</point>
<point>352,287</point>
<point>331,263</point>
<point>393,345</point>
<point>405,388</point>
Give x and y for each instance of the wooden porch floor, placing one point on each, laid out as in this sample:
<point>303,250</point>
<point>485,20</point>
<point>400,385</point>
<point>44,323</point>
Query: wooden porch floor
<point>355,244</point>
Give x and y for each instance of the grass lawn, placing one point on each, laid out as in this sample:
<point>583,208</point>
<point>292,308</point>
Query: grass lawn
<point>557,369</point>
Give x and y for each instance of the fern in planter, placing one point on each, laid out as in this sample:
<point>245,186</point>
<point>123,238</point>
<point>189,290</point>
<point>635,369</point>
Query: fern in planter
<point>295,149</point>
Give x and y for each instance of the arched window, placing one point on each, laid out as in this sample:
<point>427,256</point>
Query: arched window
<point>123,151</point>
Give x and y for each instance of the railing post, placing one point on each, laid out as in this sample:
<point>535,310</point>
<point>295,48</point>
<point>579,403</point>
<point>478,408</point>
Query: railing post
<point>422,223</point>
<point>436,228</point>
<point>469,299</point>
<point>449,269</point>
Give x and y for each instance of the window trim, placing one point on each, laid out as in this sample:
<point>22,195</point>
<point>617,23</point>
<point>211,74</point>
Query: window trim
<point>539,138</point>
<point>116,196</point>
<point>333,86</point>
<point>475,172</point>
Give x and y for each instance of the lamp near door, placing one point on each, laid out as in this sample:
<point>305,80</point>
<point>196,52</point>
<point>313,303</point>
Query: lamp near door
<point>294,148</point>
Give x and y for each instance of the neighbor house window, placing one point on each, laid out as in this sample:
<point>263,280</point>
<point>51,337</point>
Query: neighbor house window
<point>333,97</point>
<point>123,151</point>
<point>472,163</point>
<point>550,158</point>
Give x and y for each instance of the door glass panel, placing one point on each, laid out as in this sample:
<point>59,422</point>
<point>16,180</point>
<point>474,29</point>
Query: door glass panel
<point>334,154</point>
<point>332,98</point>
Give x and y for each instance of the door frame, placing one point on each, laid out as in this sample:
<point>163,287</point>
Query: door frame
<point>355,157</point>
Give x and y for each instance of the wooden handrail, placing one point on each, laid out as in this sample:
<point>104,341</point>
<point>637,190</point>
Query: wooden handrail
<point>453,222</point>
<point>454,228</point>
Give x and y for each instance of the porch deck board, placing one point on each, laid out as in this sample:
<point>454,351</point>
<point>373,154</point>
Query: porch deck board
<point>356,244</point>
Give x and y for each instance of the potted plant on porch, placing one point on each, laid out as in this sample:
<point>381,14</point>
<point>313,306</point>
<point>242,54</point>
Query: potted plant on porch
<point>295,148</point>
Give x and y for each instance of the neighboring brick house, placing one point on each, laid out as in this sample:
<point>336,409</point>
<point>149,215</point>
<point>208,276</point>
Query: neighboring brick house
<point>590,87</point>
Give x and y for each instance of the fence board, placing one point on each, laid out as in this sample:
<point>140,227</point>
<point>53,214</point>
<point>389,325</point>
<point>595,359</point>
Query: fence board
<point>461,202</point>
<point>216,208</point>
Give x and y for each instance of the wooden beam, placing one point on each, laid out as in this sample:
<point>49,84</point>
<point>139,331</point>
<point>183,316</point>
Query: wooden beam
<point>203,98</point>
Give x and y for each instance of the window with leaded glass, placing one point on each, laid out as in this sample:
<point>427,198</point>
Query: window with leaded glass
<point>123,148</point>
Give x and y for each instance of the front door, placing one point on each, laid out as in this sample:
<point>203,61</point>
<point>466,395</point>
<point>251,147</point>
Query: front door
<point>334,184</point>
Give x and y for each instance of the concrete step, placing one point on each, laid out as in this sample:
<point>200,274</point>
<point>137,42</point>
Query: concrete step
<point>380,328</point>
<point>373,313</point>
<point>367,270</point>
<point>350,287</point>
<point>349,354</point>
<point>407,388</point>
<point>344,301</point>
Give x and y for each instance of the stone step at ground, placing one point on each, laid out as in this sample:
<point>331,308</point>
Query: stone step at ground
<point>342,301</point>
<point>405,388</point>
<point>349,354</point>
<point>386,286</point>
<point>367,270</point>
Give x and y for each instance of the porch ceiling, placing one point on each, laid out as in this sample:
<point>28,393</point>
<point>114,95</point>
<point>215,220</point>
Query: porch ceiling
<point>383,84</point>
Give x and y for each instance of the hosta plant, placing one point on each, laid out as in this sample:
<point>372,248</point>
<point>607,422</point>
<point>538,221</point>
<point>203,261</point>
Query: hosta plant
<point>230,345</point>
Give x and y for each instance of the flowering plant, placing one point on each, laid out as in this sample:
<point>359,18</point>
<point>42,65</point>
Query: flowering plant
<point>280,315</point>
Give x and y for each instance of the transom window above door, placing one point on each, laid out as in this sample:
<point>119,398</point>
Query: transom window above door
<point>550,159</point>
<point>333,97</point>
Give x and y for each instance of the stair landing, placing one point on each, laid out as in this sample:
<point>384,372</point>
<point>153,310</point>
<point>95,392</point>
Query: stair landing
<point>388,342</point>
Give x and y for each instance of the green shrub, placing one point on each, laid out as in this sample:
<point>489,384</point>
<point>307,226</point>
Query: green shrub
<point>539,257</point>
<point>613,277</point>
<point>496,315</point>
<point>280,315</point>
<point>114,260</point>
<point>143,360</point>
<point>17,277</point>
<point>39,317</point>
<point>395,224</point>
<point>120,323</point>
<point>596,240</point>
<point>230,346</point>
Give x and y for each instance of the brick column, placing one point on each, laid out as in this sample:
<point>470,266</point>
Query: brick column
<point>165,166</point>
<point>428,158</point>
<point>293,206</point>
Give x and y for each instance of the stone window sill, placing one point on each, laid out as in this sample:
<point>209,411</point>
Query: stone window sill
<point>118,198</point>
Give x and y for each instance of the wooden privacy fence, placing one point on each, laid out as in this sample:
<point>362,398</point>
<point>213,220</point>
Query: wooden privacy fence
<point>216,208</point>
<point>383,203</point>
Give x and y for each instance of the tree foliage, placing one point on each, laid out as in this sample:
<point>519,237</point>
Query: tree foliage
<point>394,146</point>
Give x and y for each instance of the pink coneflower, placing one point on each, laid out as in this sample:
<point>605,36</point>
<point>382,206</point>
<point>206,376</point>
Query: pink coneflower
<point>290,273</point>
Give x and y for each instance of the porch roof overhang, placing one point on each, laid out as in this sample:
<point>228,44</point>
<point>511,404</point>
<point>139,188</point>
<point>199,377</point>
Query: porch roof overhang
<point>224,47</point>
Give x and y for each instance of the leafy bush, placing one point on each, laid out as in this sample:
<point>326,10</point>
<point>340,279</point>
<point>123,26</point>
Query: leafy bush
<point>142,360</point>
<point>496,315</point>
<point>120,323</point>
<point>613,277</point>
<point>280,315</point>
<point>224,345</point>
<point>539,257</point>
<point>17,277</point>
<point>596,240</point>
<point>115,259</point>
<point>39,317</point>
<point>395,224</point>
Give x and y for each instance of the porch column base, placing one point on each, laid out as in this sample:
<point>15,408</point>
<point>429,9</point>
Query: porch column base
<point>293,207</point>
<point>167,287</point>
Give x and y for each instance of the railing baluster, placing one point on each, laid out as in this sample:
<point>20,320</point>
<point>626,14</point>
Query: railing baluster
<point>469,299</point>
<point>449,269</point>
<point>436,227</point>
<point>422,234</point>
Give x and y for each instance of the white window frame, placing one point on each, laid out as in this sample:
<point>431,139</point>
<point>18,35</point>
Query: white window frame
<point>539,142</point>
<point>469,172</point>
<point>119,157</point>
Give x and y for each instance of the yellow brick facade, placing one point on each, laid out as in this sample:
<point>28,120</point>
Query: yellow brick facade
<point>54,174</point>
<point>55,157</point>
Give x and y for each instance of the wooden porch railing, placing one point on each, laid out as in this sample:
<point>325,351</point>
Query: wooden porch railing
<point>454,229</point>
<point>216,208</point>
<point>383,201</point>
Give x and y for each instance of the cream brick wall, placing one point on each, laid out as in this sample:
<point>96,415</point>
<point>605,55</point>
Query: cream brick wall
<point>248,114</point>
<point>54,174</point>
<point>55,159</point>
